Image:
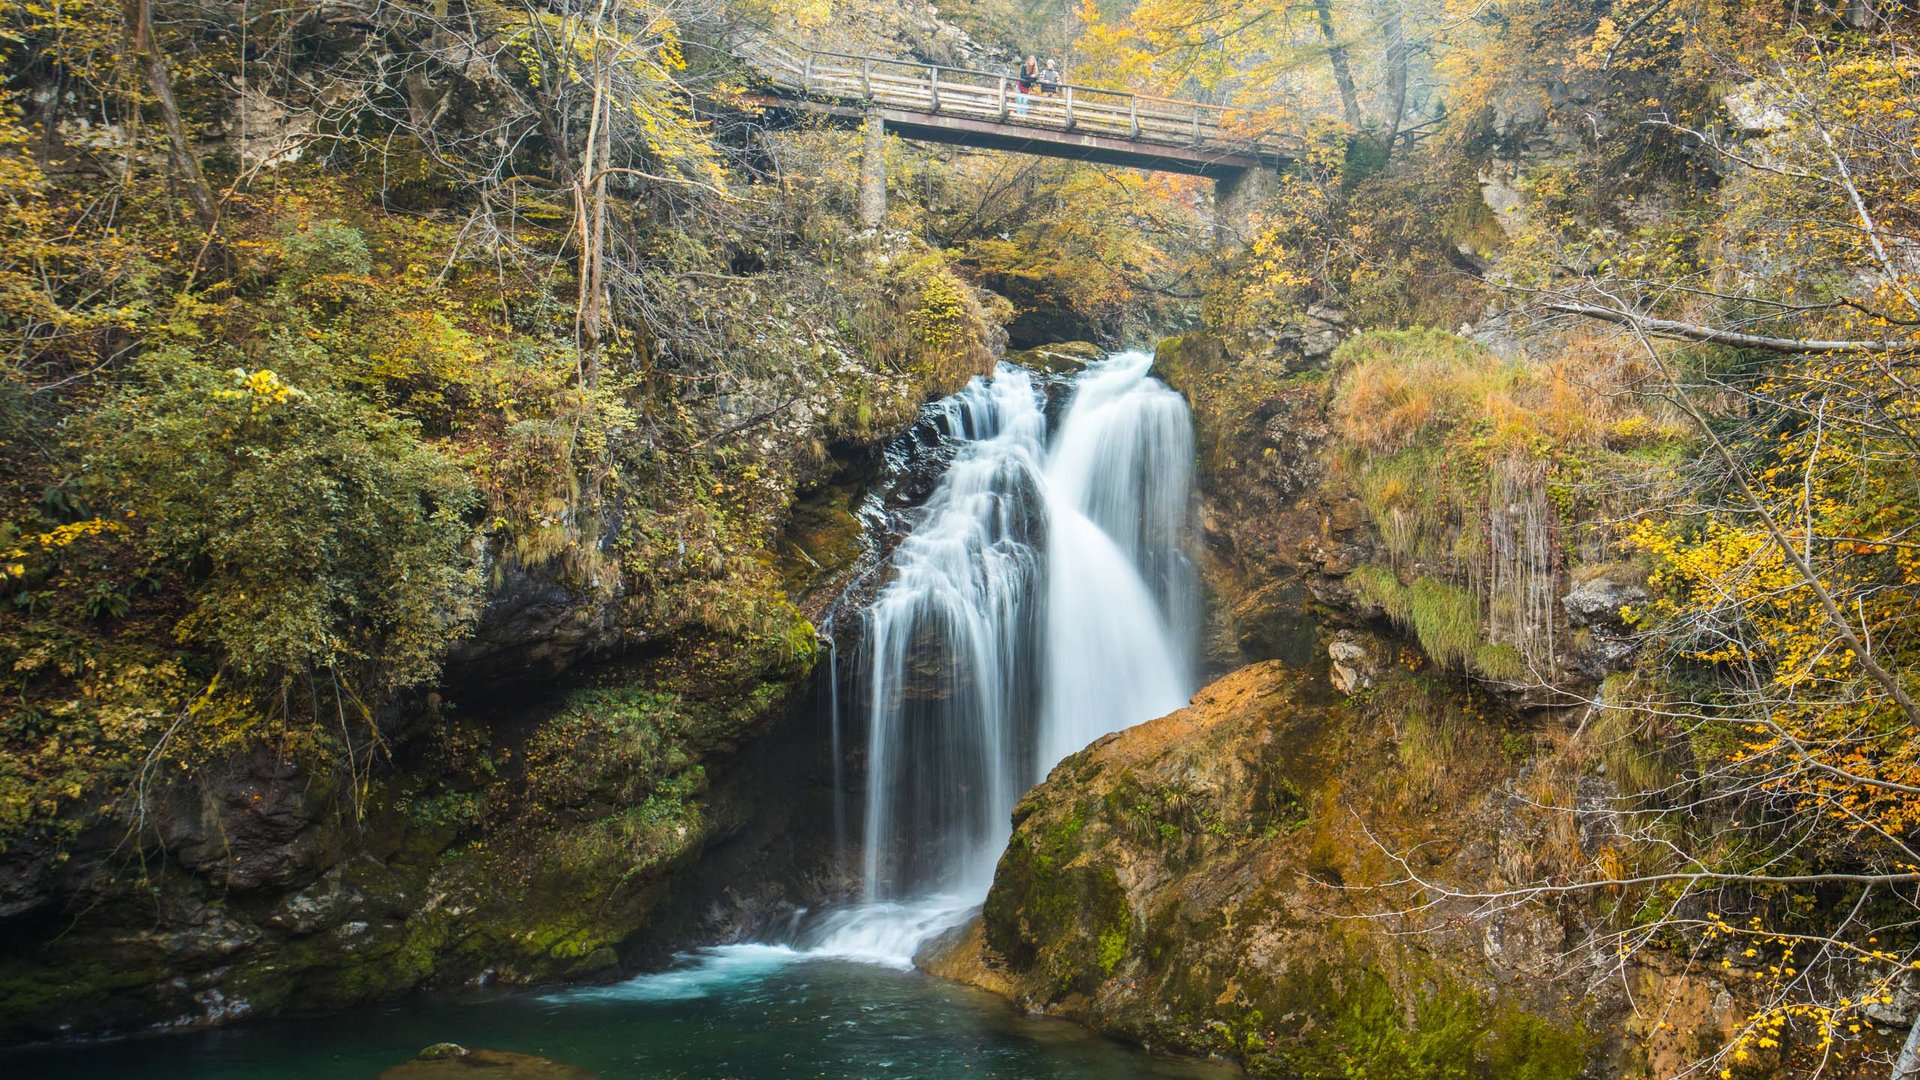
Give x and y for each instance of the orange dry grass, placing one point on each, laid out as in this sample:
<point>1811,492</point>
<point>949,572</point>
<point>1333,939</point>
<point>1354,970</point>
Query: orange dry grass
<point>1402,385</point>
<point>1398,384</point>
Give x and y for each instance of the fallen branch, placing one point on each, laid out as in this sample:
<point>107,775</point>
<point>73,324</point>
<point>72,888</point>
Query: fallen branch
<point>1669,328</point>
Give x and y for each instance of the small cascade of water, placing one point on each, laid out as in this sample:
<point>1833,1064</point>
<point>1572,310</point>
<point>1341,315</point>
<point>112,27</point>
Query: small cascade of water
<point>1124,458</point>
<point>1042,599</point>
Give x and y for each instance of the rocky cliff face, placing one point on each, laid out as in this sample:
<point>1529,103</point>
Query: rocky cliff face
<point>1276,537</point>
<point>1203,883</point>
<point>1236,879</point>
<point>525,840</point>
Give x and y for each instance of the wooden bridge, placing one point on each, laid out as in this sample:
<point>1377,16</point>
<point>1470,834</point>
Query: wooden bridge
<point>959,106</point>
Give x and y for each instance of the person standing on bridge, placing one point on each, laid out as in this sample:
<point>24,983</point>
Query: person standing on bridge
<point>1050,79</point>
<point>1029,74</point>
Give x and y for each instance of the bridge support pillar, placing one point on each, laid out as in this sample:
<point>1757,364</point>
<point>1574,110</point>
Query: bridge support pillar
<point>1237,199</point>
<point>873,172</point>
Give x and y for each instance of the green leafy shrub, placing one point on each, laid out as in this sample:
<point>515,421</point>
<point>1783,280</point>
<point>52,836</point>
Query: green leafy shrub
<point>1451,1034</point>
<point>317,533</point>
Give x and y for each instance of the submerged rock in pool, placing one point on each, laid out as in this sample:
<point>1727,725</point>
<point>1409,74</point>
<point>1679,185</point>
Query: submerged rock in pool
<point>451,1061</point>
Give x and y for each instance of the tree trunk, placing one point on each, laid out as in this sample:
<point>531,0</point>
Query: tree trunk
<point>590,213</point>
<point>600,298</point>
<point>186,166</point>
<point>1685,331</point>
<point>873,173</point>
<point>1394,26</point>
<point>1337,56</point>
<point>1907,1065</point>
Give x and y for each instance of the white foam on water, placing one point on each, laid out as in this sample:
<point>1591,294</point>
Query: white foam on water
<point>696,974</point>
<point>886,932</point>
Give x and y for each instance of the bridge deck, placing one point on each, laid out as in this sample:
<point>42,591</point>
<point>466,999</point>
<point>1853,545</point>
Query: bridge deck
<point>985,109</point>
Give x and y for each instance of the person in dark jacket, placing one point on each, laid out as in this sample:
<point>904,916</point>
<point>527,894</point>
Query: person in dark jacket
<point>1024,82</point>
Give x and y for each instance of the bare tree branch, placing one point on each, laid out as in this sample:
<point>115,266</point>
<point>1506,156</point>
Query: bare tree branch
<point>1685,331</point>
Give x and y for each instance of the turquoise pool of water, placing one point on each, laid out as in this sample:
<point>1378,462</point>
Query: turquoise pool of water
<point>750,1012</point>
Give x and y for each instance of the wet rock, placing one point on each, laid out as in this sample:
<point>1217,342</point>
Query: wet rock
<point>1597,602</point>
<point>451,1061</point>
<point>1353,664</point>
<point>1036,326</point>
<point>324,903</point>
<point>1275,623</point>
<point>963,955</point>
<point>216,936</point>
<point>1276,533</point>
<point>534,623</point>
<point>824,538</point>
<point>1058,358</point>
<point>24,874</point>
<point>1179,883</point>
<point>1602,643</point>
<point>248,825</point>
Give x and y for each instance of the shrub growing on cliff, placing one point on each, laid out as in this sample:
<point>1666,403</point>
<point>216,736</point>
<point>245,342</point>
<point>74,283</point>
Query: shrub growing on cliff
<point>1398,385</point>
<point>320,539</point>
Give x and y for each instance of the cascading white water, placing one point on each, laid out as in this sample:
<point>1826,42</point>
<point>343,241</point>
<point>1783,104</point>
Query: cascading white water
<point>1042,600</point>
<point>946,642</point>
<point>1122,605</point>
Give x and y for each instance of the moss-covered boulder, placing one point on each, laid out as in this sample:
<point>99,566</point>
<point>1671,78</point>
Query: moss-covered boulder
<point>448,1061</point>
<point>1200,883</point>
<point>514,853</point>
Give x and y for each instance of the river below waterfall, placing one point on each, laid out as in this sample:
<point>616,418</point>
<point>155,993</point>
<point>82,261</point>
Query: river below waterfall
<point>1040,599</point>
<point>748,1012</point>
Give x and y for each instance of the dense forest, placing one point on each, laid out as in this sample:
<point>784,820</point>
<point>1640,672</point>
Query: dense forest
<point>449,447</point>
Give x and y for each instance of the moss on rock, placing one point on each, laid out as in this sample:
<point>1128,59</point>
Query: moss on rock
<point>1058,358</point>
<point>1177,884</point>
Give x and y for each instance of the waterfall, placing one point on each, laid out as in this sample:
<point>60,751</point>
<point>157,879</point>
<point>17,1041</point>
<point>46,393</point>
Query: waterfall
<point>1042,599</point>
<point>1122,604</point>
<point>948,643</point>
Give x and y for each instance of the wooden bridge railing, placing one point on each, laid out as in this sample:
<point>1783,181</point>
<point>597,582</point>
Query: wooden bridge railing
<point>996,98</point>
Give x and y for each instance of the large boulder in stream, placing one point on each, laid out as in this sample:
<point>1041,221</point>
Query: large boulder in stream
<point>1216,882</point>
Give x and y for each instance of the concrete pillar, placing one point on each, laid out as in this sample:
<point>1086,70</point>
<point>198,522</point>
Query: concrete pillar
<point>1237,200</point>
<point>873,173</point>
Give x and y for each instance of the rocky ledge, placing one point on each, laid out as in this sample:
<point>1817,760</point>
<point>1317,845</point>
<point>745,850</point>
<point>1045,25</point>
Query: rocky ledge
<point>1216,882</point>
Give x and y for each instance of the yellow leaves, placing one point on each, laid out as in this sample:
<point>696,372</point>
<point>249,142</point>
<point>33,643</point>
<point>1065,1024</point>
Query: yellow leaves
<point>41,544</point>
<point>260,390</point>
<point>1836,485</point>
<point>1606,37</point>
<point>806,14</point>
